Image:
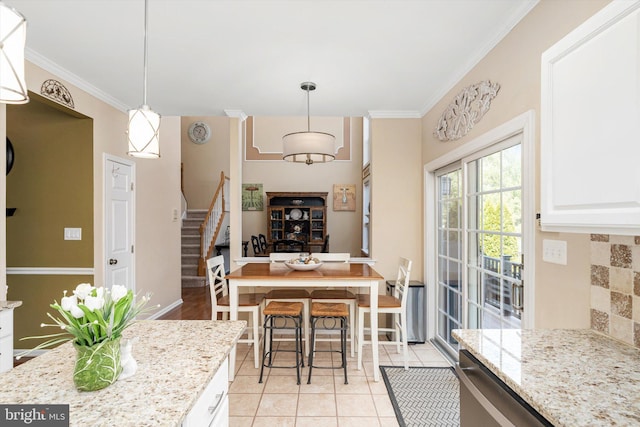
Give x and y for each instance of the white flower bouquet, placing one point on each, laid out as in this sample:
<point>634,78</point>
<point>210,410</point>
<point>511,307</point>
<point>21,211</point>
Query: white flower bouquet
<point>93,315</point>
<point>94,319</point>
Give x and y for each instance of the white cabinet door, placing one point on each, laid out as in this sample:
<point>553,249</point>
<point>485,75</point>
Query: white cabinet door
<point>6,340</point>
<point>590,123</point>
<point>212,407</point>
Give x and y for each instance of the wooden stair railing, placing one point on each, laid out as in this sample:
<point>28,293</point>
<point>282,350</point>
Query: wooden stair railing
<point>210,227</point>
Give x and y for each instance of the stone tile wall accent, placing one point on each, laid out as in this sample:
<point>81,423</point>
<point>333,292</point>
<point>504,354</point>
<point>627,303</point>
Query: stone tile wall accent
<point>615,286</point>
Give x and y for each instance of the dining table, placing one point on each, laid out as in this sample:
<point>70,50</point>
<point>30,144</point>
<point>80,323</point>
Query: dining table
<point>328,275</point>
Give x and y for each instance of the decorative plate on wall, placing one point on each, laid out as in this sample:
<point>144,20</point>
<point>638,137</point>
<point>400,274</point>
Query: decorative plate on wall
<point>199,132</point>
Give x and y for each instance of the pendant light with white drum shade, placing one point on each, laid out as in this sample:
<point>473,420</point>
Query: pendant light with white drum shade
<point>308,147</point>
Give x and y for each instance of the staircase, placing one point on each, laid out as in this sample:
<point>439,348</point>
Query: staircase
<point>191,249</point>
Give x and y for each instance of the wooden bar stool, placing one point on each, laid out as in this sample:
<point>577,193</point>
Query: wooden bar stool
<point>338,295</point>
<point>284,312</point>
<point>329,314</point>
<point>291,295</point>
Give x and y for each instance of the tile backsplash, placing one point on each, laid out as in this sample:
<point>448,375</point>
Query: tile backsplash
<point>615,286</point>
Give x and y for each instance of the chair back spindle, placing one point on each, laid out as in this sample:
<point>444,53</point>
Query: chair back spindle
<point>256,245</point>
<point>263,243</point>
<point>217,280</point>
<point>401,289</point>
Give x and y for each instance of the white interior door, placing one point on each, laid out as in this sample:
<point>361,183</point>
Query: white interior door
<point>119,223</point>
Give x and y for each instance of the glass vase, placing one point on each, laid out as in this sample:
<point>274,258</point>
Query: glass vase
<point>97,366</point>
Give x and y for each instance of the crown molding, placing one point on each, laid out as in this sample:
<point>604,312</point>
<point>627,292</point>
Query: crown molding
<point>55,69</point>
<point>239,114</point>
<point>456,77</point>
<point>394,114</point>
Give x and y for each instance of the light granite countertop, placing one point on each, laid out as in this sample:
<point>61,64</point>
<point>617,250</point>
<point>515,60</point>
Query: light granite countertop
<point>571,377</point>
<point>8,305</point>
<point>176,360</point>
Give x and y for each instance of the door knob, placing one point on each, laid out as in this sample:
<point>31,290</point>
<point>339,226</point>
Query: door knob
<point>113,261</point>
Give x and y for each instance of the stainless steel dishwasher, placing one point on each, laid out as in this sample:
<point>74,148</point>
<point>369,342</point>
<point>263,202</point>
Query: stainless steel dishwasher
<point>487,401</point>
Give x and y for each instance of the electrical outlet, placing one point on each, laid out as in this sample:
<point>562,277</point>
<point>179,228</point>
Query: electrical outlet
<point>554,251</point>
<point>72,233</point>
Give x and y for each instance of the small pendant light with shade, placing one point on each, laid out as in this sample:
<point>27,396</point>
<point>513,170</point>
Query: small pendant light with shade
<point>13,35</point>
<point>143,130</point>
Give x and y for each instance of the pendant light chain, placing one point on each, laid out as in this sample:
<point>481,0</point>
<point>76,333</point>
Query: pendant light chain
<point>146,59</point>
<point>308,112</point>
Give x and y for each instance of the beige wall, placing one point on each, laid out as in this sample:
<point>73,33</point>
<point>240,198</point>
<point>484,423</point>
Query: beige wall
<point>278,175</point>
<point>157,234</point>
<point>396,196</point>
<point>202,163</point>
<point>562,292</point>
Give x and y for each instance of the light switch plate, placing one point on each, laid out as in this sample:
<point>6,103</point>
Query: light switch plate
<point>72,233</point>
<point>554,251</point>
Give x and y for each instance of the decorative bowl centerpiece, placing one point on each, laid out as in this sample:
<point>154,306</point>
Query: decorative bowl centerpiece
<point>303,263</point>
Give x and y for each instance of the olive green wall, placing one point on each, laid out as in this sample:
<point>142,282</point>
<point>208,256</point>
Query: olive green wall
<point>36,294</point>
<point>51,185</point>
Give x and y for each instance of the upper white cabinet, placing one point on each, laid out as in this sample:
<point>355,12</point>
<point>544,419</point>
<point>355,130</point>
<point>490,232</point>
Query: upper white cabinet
<point>590,125</point>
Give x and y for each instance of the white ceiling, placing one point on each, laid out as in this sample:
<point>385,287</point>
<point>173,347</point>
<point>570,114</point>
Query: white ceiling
<point>387,58</point>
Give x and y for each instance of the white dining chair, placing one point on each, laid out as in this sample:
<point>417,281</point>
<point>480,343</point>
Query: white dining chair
<point>332,256</point>
<point>343,296</point>
<point>247,303</point>
<point>396,305</point>
<point>280,256</point>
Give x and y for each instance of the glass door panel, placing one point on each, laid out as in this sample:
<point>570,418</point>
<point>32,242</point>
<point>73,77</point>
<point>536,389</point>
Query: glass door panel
<point>494,235</point>
<point>449,264</point>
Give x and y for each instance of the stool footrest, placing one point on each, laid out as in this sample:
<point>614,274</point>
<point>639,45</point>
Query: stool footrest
<point>269,324</point>
<point>339,324</point>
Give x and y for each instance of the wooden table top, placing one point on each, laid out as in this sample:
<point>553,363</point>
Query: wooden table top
<point>327,271</point>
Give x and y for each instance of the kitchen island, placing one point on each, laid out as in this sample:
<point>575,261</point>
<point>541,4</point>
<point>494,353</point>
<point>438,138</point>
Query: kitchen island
<point>570,377</point>
<point>177,359</point>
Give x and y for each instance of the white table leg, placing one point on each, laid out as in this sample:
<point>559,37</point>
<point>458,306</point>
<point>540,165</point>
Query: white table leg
<point>233,315</point>
<point>374,329</point>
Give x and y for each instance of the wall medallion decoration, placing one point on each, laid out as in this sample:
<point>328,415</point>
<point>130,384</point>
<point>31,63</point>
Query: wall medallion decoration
<point>55,90</point>
<point>466,110</point>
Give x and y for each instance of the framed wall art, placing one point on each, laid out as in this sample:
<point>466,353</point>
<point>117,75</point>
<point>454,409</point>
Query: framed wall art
<point>344,197</point>
<point>252,198</point>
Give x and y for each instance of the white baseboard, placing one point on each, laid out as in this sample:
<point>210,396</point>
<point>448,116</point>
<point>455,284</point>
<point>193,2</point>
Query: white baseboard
<point>32,353</point>
<point>165,310</point>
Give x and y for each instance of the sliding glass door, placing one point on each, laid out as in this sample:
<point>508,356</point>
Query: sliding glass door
<point>479,242</point>
<point>494,237</point>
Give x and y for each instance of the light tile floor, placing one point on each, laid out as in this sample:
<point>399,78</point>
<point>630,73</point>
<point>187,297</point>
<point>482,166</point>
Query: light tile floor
<point>327,401</point>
